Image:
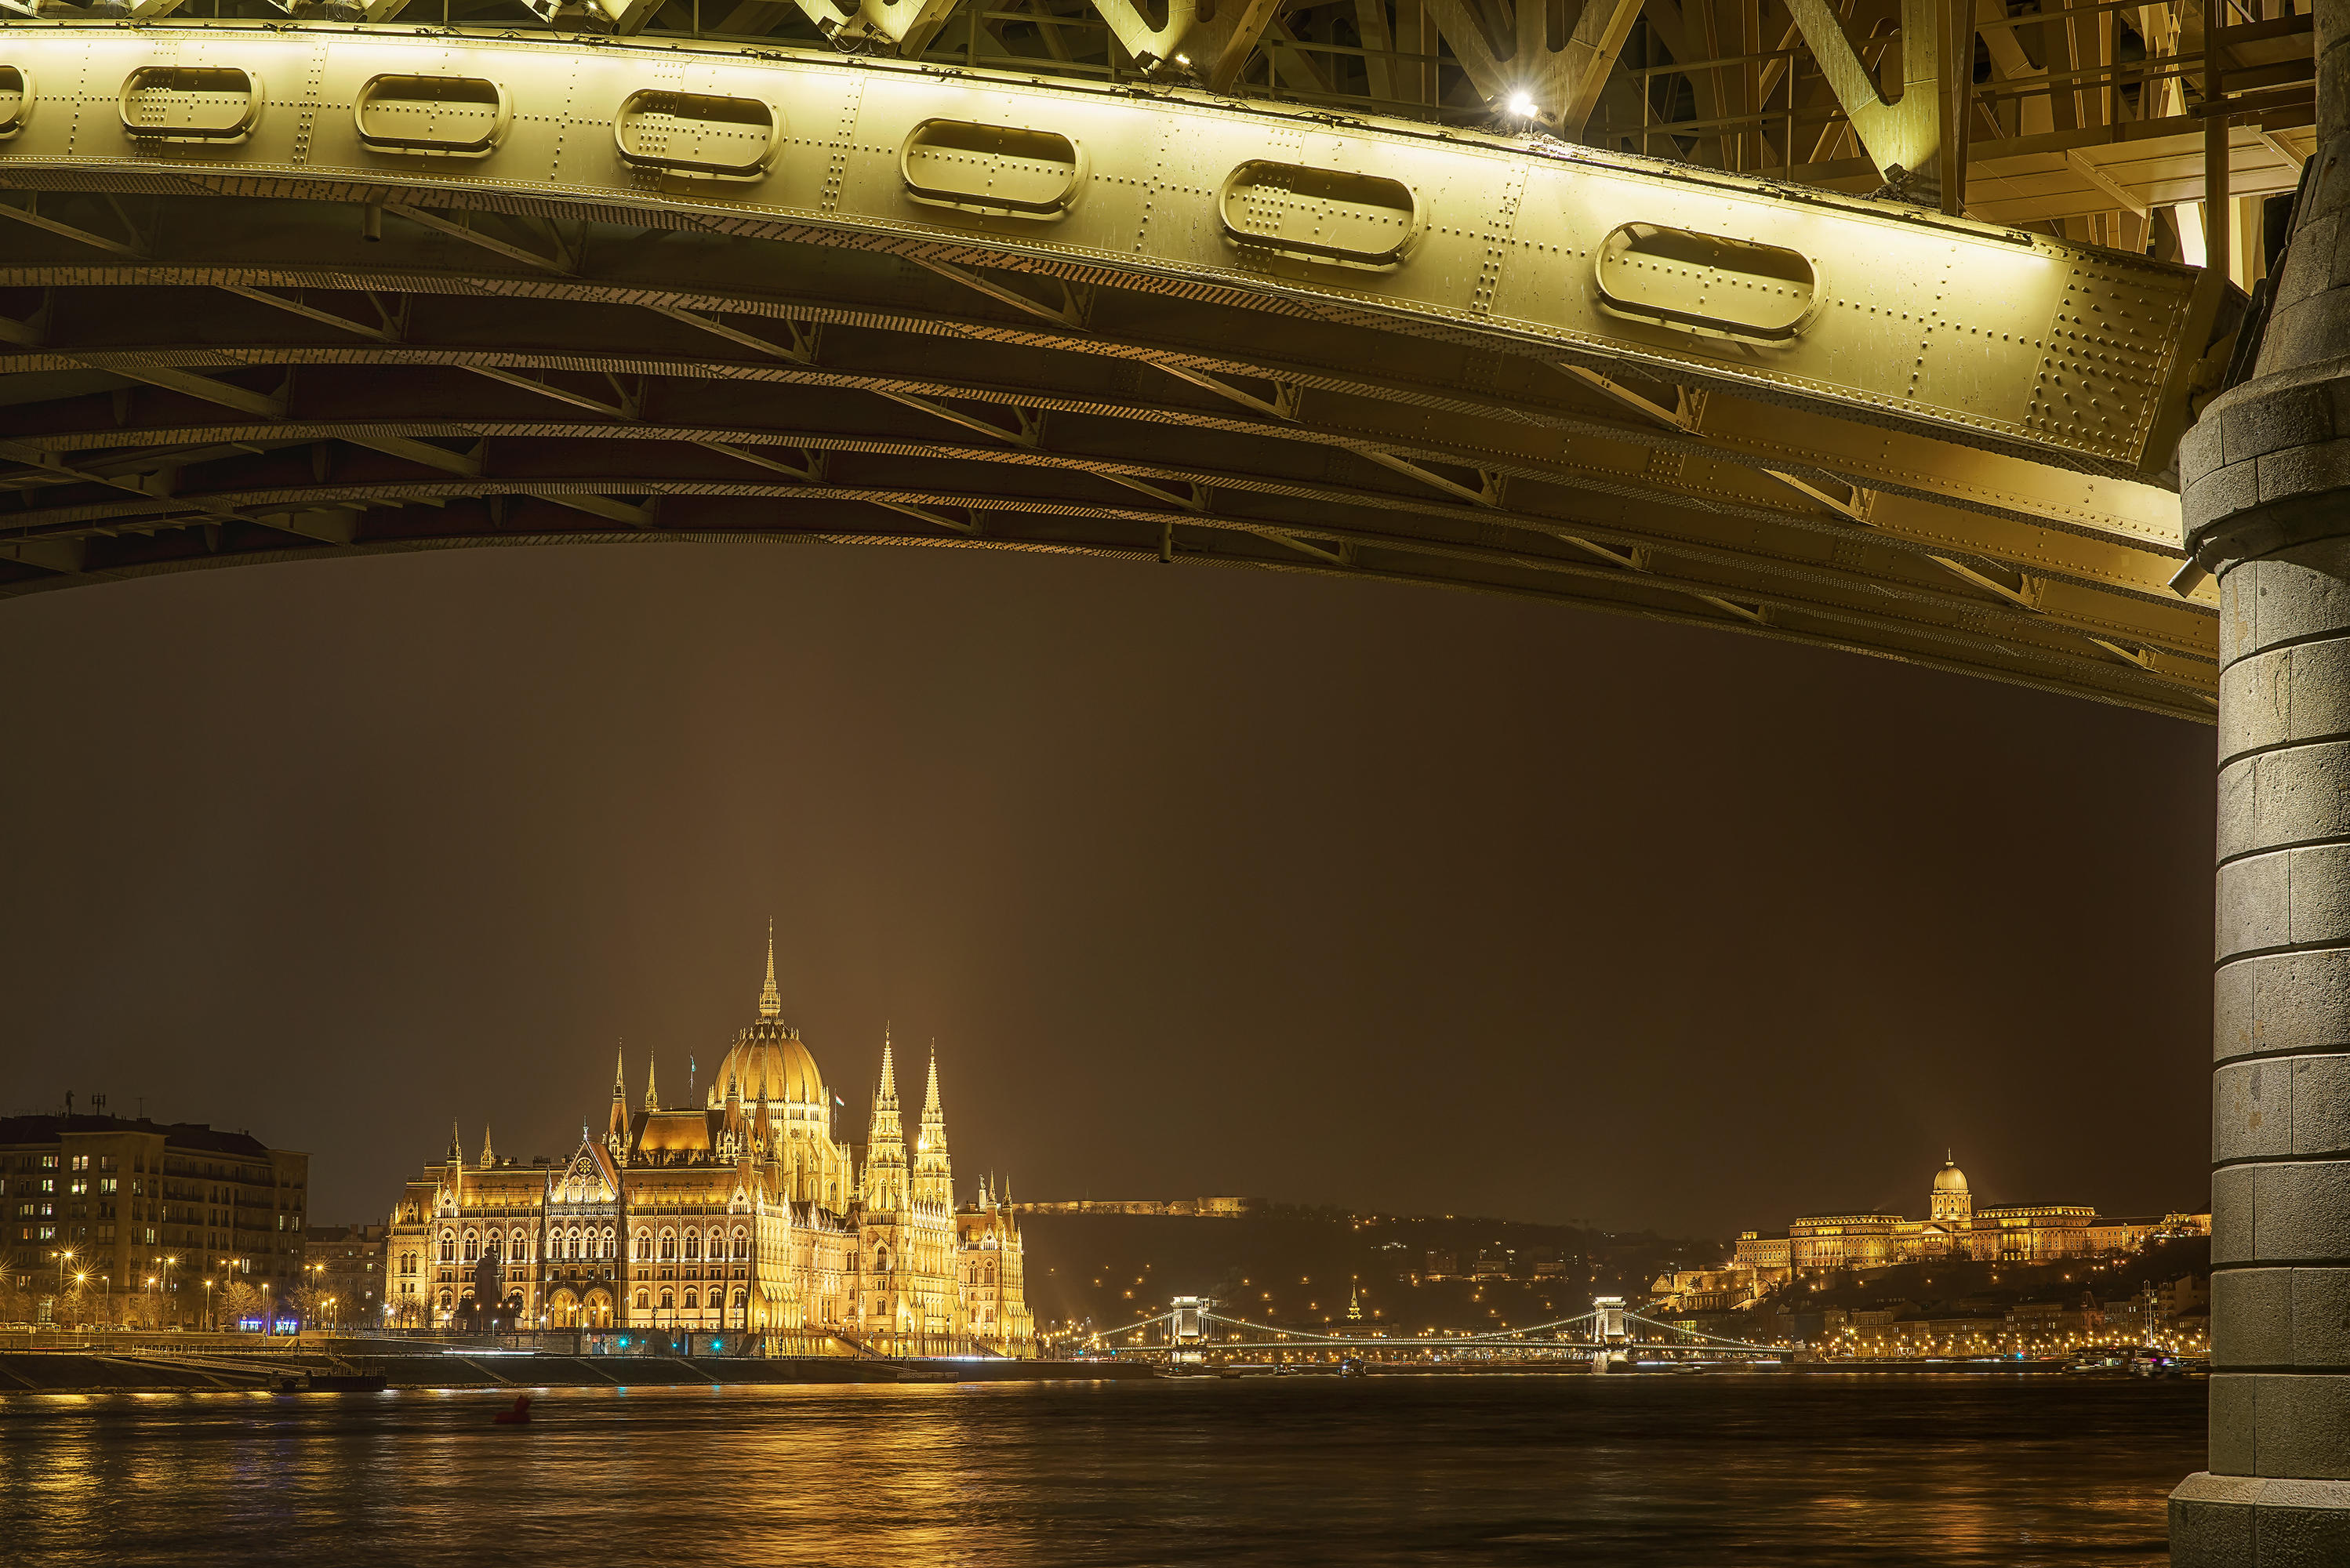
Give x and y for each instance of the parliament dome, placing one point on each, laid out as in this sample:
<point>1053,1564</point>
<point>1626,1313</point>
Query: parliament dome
<point>767,1061</point>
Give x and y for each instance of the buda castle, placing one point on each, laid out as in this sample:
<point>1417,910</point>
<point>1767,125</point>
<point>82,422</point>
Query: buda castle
<point>744,1215</point>
<point>1953,1227</point>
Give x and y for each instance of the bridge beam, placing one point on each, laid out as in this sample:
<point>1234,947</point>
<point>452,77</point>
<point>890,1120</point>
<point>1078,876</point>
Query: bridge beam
<point>2266,475</point>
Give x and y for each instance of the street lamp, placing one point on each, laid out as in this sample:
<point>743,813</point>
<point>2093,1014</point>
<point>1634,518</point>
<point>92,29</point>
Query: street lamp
<point>208,1306</point>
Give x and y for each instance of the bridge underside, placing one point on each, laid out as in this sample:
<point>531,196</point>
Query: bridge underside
<point>265,384</point>
<point>257,351</point>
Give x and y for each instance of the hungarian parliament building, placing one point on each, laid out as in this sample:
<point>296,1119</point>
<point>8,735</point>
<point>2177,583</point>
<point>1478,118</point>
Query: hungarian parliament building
<point>744,1215</point>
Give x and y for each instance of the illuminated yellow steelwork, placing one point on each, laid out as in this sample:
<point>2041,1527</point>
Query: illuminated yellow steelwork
<point>1934,323</point>
<point>1378,347</point>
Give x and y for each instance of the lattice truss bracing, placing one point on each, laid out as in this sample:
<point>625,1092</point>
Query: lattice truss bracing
<point>1749,313</point>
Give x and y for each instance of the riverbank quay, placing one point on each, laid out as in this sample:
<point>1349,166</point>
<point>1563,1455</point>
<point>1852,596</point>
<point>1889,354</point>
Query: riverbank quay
<point>207,1370</point>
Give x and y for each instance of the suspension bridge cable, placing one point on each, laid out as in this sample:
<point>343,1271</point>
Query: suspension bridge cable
<point>1309,1336</point>
<point>1694,1333</point>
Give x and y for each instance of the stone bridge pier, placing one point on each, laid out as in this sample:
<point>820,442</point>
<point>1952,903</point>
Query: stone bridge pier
<point>2266,475</point>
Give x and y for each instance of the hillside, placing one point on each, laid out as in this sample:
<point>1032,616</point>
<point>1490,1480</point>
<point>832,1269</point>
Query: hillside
<point>1294,1267</point>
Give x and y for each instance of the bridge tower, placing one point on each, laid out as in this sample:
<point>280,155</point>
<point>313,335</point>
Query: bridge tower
<point>1186,1327</point>
<point>1607,1331</point>
<point>2265,481</point>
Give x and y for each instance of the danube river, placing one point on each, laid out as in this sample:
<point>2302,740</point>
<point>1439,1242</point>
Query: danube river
<point>1621,1471</point>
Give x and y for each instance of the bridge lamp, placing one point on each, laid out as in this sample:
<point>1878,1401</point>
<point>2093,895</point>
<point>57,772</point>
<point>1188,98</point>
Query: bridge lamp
<point>1520,106</point>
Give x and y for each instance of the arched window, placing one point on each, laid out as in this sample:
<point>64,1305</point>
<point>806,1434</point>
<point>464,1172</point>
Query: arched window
<point>473,1247</point>
<point>880,1259</point>
<point>739,1300</point>
<point>643,1300</point>
<point>520,1250</point>
<point>741,1248</point>
<point>689,1301</point>
<point>448,1246</point>
<point>644,1245</point>
<point>444,1301</point>
<point>669,1300</point>
<point>669,1247</point>
<point>692,1245</point>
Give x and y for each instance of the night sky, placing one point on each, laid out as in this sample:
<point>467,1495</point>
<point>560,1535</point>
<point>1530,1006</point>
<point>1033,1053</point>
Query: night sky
<point>1204,881</point>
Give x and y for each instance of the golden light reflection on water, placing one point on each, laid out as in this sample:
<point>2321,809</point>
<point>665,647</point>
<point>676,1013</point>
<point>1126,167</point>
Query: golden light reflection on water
<point>1631,1471</point>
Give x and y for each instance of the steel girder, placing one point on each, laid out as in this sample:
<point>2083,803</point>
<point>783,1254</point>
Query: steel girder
<point>256,368</point>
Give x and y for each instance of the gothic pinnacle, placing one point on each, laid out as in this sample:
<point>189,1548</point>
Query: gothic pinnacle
<point>771,1000</point>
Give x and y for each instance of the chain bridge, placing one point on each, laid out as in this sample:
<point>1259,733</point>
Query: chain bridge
<point>1611,1332</point>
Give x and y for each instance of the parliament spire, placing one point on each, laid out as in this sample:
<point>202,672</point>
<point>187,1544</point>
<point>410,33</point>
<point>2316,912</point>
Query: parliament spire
<point>771,1000</point>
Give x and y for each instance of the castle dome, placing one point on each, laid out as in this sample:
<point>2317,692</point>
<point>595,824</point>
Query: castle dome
<point>1950,1179</point>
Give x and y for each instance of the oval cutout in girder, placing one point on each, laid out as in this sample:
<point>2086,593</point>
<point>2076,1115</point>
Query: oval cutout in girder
<point>698,133</point>
<point>16,99</point>
<point>1706,282</point>
<point>448,117</point>
<point>191,103</point>
<point>992,168</point>
<point>1321,214</point>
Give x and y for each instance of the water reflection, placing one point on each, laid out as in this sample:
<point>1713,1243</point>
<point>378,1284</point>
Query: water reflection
<point>1630,1470</point>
